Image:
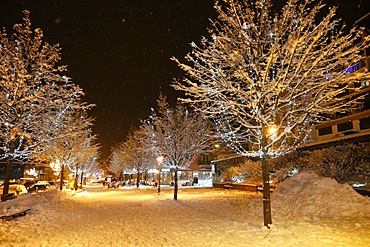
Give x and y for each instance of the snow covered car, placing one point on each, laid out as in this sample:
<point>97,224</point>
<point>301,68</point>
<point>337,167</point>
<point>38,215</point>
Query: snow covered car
<point>15,189</point>
<point>113,184</point>
<point>39,186</point>
<point>28,184</point>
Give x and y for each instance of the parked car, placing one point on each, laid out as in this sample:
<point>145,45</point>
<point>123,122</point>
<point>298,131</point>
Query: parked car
<point>28,184</point>
<point>39,186</point>
<point>114,183</point>
<point>111,182</point>
<point>15,189</point>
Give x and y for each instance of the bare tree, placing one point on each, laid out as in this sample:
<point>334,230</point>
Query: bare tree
<point>116,159</point>
<point>35,98</point>
<point>76,151</point>
<point>89,162</point>
<point>85,151</point>
<point>133,154</point>
<point>176,134</point>
<point>119,160</point>
<point>265,78</point>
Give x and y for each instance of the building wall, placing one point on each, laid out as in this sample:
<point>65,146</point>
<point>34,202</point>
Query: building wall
<point>358,123</point>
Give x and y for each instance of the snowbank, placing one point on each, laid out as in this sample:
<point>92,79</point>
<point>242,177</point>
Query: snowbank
<point>308,210</point>
<point>307,193</point>
<point>34,202</point>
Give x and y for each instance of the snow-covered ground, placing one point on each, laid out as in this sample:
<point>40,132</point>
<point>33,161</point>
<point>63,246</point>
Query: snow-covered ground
<point>307,210</point>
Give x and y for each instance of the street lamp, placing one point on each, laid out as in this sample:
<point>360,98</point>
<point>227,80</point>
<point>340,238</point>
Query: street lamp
<point>272,131</point>
<point>159,160</point>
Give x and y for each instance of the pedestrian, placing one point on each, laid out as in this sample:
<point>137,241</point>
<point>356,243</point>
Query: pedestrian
<point>72,185</point>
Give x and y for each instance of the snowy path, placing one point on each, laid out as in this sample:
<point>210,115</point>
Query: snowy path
<point>140,217</point>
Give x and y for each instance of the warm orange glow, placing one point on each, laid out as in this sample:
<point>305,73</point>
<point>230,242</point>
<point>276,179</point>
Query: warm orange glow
<point>159,160</point>
<point>272,131</point>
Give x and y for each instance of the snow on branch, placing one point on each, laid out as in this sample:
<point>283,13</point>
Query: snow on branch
<point>176,134</point>
<point>37,102</point>
<point>279,73</point>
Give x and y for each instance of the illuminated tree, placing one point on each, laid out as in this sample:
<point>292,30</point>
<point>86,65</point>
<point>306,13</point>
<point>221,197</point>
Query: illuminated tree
<point>89,164</point>
<point>80,155</point>
<point>35,99</point>
<point>87,161</point>
<point>115,160</point>
<point>77,151</point>
<point>118,160</point>
<point>264,78</point>
<point>176,134</point>
<point>133,154</point>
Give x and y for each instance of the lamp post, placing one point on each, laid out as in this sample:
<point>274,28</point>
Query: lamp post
<point>159,160</point>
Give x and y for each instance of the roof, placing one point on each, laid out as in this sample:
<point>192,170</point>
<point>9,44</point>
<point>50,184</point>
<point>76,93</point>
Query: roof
<point>354,138</point>
<point>364,21</point>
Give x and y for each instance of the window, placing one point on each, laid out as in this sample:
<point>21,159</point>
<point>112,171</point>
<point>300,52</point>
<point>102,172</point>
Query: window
<point>365,123</point>
<point>345,126</point>
<point>325,131</point>
<point>355,67</point>
<point>204,175</point>
<point>364,84</point>
<point>361,84</point>
<point>185,174</point>
<point>205,158</point>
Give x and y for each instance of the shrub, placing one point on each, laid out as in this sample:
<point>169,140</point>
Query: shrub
<point>338,162</point>
<point>232,174</point>
<point>252,171</point>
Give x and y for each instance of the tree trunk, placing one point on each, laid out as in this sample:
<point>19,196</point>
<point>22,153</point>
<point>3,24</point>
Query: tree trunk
<point>176,185</point>
<point>61,178</point>
<point>138,179</point>
<point>266,180</point>
<point>159,181</point>
<point>82,177</point>
<point>9,165</point>
<point>76,181</point>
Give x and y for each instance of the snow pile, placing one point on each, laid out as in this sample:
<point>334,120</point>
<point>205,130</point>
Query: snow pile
<point>201,217</point>
<point>35,202</point>
<point>307,193</point>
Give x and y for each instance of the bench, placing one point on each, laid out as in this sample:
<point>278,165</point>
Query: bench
<point>14,215</point>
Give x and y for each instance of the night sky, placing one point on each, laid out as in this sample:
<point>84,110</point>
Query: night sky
<point>119,51</point>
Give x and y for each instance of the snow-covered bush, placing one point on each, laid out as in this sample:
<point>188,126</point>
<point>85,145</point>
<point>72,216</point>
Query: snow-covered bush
<point>232,172</point>
<point>338,162</point>
<point>286,165</point>
<point>252,171</point>
<point>363,169</point>
<point>248,171</point>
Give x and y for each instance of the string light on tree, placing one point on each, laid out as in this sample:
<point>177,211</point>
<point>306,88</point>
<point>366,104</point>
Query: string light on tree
<point>280,78</point>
